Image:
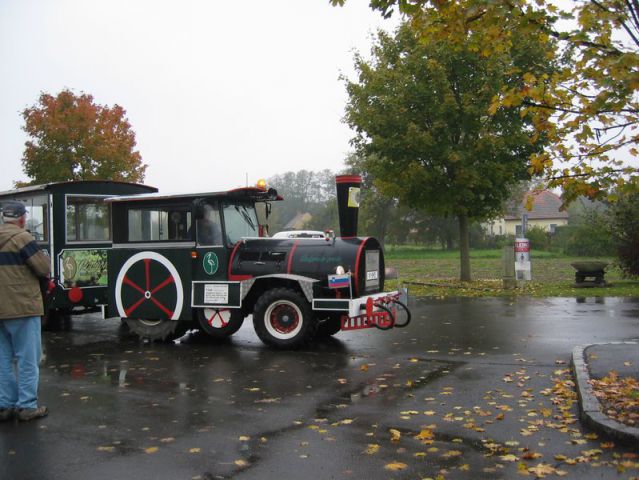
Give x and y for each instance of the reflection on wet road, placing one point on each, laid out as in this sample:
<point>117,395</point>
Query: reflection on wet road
<point>431,399</point>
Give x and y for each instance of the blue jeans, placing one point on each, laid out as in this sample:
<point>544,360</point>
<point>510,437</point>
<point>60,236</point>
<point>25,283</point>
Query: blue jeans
<point>20,340</point>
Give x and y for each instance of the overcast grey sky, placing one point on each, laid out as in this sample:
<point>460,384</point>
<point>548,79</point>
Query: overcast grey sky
<point>215,90</point>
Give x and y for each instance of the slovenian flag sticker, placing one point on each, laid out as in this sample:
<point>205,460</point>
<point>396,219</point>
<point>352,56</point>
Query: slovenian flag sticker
<point>339,281</point>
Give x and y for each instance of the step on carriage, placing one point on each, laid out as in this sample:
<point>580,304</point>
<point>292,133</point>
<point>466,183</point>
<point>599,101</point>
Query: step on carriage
<point>205,259</point>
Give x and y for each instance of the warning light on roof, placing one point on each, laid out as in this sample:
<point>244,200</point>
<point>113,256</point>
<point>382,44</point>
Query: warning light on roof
<point>261,184</point>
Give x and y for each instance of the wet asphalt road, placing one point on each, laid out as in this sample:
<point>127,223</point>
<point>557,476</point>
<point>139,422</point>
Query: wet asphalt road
<point>473,388</point>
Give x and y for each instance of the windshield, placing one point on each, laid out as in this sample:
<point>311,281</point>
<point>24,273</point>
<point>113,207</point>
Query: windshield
<point>240,221</point>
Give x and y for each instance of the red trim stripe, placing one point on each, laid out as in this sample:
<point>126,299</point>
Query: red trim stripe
<point>348,179</point>
<point>289,264</point>
<point>166,311</point>
<point>147,272</point>
<point>130,283</point>
<point>359,255</point>
<point>132,308</point>
<point>231,275</point>
<point>169,280</point>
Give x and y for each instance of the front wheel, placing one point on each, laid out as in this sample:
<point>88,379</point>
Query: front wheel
<point>156,330</point>
<point>220,323</point>
<point>283,318</point>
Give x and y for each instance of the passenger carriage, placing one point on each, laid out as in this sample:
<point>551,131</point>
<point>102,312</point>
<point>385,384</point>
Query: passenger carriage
<point>72,223</point>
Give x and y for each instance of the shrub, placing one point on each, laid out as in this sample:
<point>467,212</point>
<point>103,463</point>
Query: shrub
<point>539,238</point>
<point>625,233</point>
<point>588,236</point>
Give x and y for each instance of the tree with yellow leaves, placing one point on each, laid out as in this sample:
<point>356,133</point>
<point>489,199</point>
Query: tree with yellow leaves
<point>588,110</point>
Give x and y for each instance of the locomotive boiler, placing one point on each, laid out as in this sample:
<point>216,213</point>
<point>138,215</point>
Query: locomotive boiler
<point>360,258</point>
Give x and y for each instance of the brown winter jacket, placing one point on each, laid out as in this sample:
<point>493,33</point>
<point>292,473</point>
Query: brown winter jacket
<point>21,263</point>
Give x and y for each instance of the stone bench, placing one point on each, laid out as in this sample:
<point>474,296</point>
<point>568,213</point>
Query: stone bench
<point>590,273</point>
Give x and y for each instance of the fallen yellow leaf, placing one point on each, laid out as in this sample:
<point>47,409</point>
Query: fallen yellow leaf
<point>542,470</point>
<point>395,435</point>
<point>452,453</point>
<point>425,434</point>
<point>508,458</point>
<point>372,449</point>
<point>395,466</point>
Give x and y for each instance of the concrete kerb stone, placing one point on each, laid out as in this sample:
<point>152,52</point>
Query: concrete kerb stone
<point>590,408</point>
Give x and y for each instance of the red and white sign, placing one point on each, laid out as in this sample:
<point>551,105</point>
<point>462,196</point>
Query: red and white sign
<point>522,259</point>
<point>522,245</point>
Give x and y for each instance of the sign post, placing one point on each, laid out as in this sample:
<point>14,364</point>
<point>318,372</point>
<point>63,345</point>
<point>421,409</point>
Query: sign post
<point>522,260</point>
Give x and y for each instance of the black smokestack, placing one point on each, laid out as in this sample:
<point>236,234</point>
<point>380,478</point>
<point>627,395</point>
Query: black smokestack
<point>348,189</point>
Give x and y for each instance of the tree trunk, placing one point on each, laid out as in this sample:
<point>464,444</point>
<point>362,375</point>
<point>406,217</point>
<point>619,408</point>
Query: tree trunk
<point>449,241</point>
<point>464,248</point>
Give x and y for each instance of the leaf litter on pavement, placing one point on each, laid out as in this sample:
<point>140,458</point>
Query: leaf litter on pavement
<point>439,450</point>
<point>439,433</point>
<point>619,397</point>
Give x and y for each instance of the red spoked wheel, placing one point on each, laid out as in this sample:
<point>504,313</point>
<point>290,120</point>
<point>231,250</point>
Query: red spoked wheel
<point>283,318</point>
<point>149,294</point>
<point>220,322</point>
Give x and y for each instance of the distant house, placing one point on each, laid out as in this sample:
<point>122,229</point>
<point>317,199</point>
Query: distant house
<point>545,214</point>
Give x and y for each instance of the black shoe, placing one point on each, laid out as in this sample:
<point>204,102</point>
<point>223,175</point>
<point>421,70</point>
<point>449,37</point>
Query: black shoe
<point>7,414</point>
<point>26,414</point>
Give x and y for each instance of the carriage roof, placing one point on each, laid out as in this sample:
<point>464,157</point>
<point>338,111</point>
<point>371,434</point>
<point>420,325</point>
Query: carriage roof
<point>73,185</point>
<point>244,193</point>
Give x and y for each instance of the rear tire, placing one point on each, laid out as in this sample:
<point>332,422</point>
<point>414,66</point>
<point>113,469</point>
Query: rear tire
<point>220,323</point>
<point>157,330</point>
<point>56,320</point>
<point>283,318</point>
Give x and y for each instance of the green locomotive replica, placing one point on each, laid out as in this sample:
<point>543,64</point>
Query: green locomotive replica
<point>205,258</point>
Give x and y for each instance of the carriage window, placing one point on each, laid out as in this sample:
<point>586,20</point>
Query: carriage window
<point>209,231</point>
<point>240,221</point>
<point>159,224</point>
<point>37,216</point>
<point>88,219</point>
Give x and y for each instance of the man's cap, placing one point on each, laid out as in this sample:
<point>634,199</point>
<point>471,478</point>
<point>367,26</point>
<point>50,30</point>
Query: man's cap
<point>13,209</point>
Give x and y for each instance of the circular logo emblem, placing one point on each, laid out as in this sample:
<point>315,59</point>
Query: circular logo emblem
<point>210,263</point>
<point>69,268</point>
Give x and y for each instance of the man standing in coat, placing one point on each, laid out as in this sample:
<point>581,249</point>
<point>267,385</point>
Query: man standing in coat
<point>22,263</point>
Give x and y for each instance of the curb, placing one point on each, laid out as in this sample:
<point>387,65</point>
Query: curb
<point>589,407</point>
